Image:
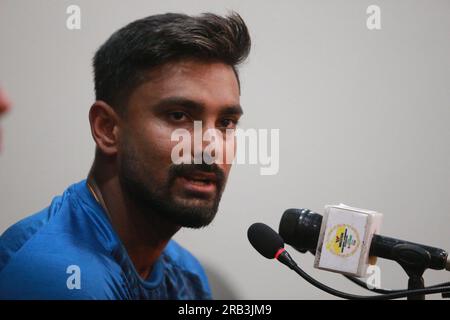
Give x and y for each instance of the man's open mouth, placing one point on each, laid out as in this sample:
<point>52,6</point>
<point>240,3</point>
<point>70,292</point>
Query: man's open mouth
<point>201,178</point>
<point>204,183</point>
<point>200,182</point>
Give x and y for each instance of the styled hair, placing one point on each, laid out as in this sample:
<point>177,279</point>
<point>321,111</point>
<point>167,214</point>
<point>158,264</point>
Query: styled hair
<point>122,62</point>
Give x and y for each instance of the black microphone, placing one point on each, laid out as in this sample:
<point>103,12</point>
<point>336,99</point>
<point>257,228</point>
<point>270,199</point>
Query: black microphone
<point>300,228</point>
<point>269,244</point>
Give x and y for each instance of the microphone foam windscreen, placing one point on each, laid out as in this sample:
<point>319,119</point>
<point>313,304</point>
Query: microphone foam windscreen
<point>265,240</point>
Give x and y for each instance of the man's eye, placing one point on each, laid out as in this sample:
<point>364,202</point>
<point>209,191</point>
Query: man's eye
<point>178,116</point>
<point>228,123</point>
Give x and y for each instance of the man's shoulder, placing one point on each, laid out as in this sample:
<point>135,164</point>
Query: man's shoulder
<point>57,273</point>
<point>30,229</point>
<point>48,265</point>
<point>39,254</point>
<point>22,232</point>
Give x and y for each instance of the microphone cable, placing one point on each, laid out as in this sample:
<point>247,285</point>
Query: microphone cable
<point>386,295</point>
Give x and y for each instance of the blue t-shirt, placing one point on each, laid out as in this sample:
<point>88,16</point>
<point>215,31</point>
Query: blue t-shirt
<point>70,251</point>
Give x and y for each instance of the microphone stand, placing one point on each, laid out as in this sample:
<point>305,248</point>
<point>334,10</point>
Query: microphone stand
<point>414,260</point>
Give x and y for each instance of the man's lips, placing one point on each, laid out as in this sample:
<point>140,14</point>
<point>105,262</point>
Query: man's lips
<point>199,182</point>
<point>206,177</point>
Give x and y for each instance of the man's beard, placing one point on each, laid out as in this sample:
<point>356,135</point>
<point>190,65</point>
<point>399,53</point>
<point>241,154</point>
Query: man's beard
<point>148,195</point>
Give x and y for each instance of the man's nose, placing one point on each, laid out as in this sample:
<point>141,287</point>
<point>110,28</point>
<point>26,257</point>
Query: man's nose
<point>207,143</point>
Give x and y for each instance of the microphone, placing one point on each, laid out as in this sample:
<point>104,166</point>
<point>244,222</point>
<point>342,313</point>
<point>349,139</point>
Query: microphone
<point>301,228</point>
<point>269,244</point>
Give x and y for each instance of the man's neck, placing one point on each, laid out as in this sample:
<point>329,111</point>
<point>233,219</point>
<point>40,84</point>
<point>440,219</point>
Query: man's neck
<point>144,234</point>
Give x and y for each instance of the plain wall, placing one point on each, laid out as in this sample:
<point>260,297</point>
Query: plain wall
<point>363,118</point>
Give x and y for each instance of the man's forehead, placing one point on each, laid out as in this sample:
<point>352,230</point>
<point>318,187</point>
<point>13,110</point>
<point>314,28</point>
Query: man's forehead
<point>206,82</point>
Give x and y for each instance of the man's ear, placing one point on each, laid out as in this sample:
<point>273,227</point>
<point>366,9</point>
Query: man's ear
<point>105,129</point>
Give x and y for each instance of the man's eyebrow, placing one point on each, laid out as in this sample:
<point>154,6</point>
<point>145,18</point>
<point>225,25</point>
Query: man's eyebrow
<point>182,102</point>
<point>196,106</point>
<point>230,110</point>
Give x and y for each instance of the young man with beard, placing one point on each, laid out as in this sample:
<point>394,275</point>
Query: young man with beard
<point>109,237</point>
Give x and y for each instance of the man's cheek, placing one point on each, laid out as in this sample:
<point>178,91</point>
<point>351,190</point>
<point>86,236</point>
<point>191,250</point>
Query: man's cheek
<point>180,147</point>
<point>161,143</point>
<point>229,148</point>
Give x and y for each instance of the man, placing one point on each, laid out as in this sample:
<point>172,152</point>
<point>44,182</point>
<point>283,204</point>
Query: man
<point>5,105</point>
<point>109,237</point>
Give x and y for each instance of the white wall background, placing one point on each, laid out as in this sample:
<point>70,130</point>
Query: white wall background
<point>363,118</point>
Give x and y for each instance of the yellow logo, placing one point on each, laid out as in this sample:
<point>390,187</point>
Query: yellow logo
<point>342,240</point>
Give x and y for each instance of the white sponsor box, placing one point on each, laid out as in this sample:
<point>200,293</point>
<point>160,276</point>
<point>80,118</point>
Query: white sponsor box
<point>344,240</point>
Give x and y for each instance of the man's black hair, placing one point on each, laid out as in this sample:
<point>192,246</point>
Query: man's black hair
<point>122,62</point>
